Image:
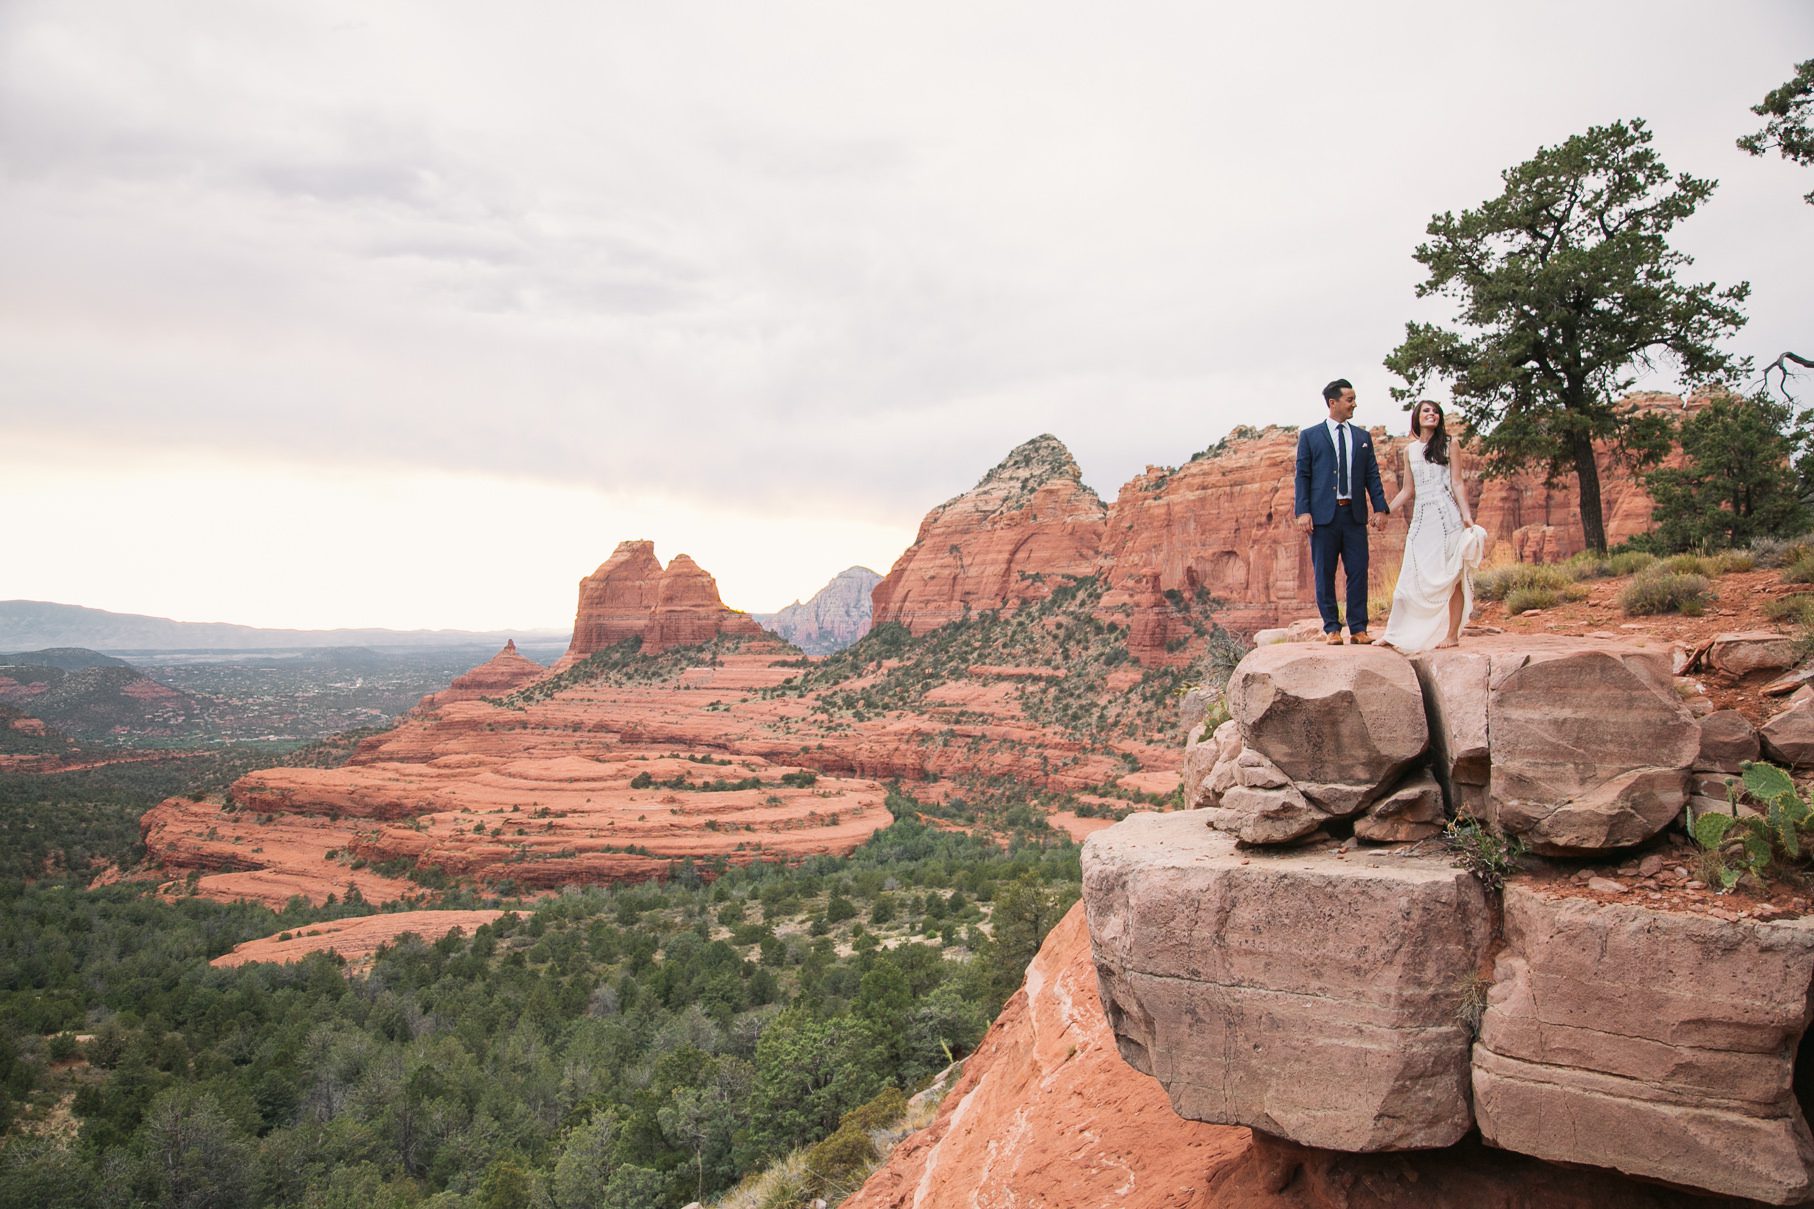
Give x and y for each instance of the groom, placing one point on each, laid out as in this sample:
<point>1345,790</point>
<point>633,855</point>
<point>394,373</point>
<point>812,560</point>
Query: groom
<point>1336,476</point>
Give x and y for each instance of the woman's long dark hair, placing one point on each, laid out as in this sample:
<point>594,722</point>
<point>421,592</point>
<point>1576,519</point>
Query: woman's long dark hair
<point>1436,448</point>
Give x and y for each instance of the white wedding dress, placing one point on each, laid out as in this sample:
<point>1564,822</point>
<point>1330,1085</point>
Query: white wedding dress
<point>1439,550</point>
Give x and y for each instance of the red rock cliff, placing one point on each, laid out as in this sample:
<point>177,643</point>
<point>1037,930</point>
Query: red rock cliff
<point>1030,521</point>
<point>615,600</point>
<point>1225,522</point>
<point>1221,525</point>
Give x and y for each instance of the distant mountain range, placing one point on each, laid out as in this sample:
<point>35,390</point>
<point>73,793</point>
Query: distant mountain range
<point>836,616</point>
<point>31,624</point>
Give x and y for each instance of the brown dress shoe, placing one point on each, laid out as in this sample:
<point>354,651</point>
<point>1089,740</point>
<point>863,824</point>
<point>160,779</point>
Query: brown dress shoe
<point>1333,638</point>
<point>1360,638</point>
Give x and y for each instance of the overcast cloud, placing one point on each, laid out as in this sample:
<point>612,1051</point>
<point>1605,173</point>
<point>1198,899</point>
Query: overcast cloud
<point>794,269</point>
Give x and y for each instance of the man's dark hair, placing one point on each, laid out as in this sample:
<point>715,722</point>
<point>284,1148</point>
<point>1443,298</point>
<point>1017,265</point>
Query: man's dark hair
<point>1334,390</point>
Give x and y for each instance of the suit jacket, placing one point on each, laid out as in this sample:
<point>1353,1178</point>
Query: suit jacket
<point>1316,474</point>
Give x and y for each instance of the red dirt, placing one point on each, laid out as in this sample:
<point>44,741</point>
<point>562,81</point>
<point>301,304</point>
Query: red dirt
<point>356,938</point>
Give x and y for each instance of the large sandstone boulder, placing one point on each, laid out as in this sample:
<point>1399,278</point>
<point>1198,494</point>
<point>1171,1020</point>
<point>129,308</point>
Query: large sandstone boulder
<point>1308,993</point>
<point>1748,651</point>
<point>1209,764</point>
<point>1728,742</point>
<point>1340,722</point>
<point>1661,1044</point>
<point>1585,744</point>
<point>1788,738</point>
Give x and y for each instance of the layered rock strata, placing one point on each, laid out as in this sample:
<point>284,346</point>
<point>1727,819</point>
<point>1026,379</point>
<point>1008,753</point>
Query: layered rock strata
<point>1657,1040</point>
<point>356,939</point>
<point>1311,995</point>
<point>1662,1044</point>
<point>1047,1114</point>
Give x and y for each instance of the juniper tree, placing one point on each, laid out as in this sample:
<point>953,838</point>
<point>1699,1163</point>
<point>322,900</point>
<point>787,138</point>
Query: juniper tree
<point>1737,482</point>
<point>1565,287</point>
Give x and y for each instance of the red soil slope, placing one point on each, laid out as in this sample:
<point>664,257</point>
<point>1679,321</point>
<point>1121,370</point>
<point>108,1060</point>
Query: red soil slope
<point>356,938</point>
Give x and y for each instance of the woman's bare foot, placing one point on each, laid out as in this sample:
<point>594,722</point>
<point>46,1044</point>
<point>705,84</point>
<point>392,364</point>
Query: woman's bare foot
<point>1451,640</point>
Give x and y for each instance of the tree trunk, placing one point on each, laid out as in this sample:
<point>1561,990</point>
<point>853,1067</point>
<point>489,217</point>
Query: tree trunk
<point>1587,473</point>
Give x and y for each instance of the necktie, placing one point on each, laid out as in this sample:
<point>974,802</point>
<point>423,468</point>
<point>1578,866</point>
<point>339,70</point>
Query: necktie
<point>1341,461</point>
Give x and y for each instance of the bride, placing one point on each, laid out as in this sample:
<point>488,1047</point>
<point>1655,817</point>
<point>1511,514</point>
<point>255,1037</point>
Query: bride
<point>1434,598</point>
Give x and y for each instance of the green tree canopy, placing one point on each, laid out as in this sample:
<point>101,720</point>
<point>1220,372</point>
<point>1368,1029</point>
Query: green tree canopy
<point>1566,289</point>
<point>1737,482</point>
<point>1790,110</point>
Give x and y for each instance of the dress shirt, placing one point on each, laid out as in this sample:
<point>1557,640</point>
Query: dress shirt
<point>1335,440</point>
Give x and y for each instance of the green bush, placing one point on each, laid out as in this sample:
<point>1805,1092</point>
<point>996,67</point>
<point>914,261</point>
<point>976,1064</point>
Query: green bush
<point>1666,592</point>
<point>1483,852</point>
<point>835,1167</point>
<point>1523,600</point>
<point>888,1107</point>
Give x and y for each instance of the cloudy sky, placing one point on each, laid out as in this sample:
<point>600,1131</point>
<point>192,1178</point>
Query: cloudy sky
<point>406,313</point>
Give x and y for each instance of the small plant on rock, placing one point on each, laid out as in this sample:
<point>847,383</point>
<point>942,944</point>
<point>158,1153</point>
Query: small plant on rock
<point>1485,853</point>
<point>1734,845</point>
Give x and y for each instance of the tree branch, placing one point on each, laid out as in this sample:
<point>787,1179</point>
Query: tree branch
<point>1780,367</point>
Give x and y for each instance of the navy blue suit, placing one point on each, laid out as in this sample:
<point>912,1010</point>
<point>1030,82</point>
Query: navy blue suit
<point>1338,532</point>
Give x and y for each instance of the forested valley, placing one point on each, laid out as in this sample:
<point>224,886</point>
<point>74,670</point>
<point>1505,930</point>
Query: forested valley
<point>623,1046</point>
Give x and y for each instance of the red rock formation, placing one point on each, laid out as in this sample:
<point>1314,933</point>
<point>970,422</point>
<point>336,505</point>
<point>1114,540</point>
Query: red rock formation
<point>1047,1113</point>
<point>549,783</point>
<point>503,673</point>
<point>1222,525</point>
<point>688,610</point>
<point>1013,537</point>
<point>630,596</point>
<point>615,600</point>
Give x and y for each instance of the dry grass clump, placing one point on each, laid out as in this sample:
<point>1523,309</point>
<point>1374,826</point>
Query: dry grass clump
<point>1687,564</point>
<point>1780,551</point>
<point>1797,607</point>
<point>1590,564</point>
<point>1629,562</point>
<point>1728,561</point>
<point>1524,600</point>
<point>1498,583</point>
<point>1800,571</point>
<point>1664,591</point>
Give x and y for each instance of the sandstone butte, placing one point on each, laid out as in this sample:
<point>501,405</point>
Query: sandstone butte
<point>631,596</point>
<point>1220,526</point>
<point>1046,1113</point>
